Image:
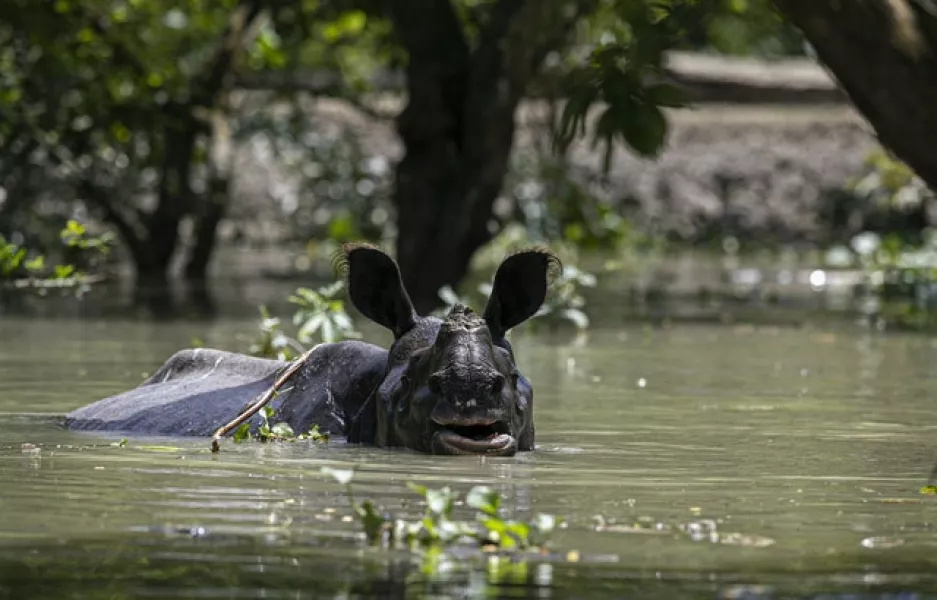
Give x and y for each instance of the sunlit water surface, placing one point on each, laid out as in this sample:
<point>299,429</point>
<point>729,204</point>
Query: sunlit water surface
<point>797,454</point>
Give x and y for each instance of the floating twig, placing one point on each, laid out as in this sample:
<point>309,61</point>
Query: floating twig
<point>262,400</point>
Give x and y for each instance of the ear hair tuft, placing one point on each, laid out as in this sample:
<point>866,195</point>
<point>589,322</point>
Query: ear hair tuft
<point>339,258</point>
<point>554,264</point>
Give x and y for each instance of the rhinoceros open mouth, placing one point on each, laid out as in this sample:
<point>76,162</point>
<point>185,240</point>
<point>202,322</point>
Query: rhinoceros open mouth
<point>492,439</point>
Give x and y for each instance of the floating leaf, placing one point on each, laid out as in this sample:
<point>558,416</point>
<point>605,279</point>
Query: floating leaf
<point>283,430</point>
<point>518,531</point>
<point>484,499</point>
<point>371,520</point>
<point>316,436</point>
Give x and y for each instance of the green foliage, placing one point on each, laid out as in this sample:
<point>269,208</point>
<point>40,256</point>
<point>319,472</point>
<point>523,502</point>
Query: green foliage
<point>438,529</point>
<point>554,203</point>
<point>622,69</point>
<point>321,314</point>
<point>277,432</point>
<point>25,269</point>
<point>890,182</point>
<point>143,125</point>
<point>930,490</point>
<point>321,317</point>
<point>899,274</point>
<point>343,192</point>
<point>564,302</point>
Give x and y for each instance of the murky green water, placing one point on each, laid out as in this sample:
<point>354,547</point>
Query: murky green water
<point>804,447</point>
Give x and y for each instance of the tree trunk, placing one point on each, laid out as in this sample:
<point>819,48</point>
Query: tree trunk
<point>458,128</point>
<point>213,204</point>
<point>884,55</point>
<point>211,213</point>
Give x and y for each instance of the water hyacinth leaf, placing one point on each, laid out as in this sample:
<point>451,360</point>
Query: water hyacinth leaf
<point>440,501</point>
<point>448,531</point>
<point>242,433</point>
<point>419,489</point>
<point>316,435</point>
<point>342,476</point>
<point>483,498</point>
<point>496,528</point>
<point>519,531</point>
<point>428,528</point>
<point>371,520</point>
<point>283,430</point>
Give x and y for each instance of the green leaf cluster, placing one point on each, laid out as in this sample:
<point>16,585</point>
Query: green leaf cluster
<point>25,268</point>
<point>320,317</point>
<point>438,529</point>
<point>277,432</point>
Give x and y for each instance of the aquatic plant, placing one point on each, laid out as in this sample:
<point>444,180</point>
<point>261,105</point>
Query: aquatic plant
<point>277,432</point>
<point>260,404</point>
<point>899,279</point>
<point>437,528</point>
<point>320,316</point>
<point>565,302</point>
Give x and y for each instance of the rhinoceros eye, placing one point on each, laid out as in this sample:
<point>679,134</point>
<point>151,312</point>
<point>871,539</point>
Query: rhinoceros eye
<point>404,382</point>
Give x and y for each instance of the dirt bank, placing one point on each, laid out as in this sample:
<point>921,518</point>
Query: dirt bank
<point>758,172</point>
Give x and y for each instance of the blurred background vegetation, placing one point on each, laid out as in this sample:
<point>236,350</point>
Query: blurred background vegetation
<point>181,132</point>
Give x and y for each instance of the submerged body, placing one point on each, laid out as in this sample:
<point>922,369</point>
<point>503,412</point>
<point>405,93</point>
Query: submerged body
<point>445,386</point>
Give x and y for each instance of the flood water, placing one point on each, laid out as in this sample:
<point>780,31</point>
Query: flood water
<point>778,462</point>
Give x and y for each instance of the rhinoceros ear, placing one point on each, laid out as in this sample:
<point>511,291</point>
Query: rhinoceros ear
<point>519,288</point>
<point>375,287</point>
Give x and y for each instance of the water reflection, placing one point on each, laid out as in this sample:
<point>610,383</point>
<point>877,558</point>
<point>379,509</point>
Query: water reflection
<point>739,461</point>
<point>157,566</point>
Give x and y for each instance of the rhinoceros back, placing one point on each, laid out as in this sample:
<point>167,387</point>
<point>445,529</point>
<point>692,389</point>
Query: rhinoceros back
<point>193,393</point>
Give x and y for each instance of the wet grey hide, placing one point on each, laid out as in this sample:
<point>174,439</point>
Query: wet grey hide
<point>445,386</point>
